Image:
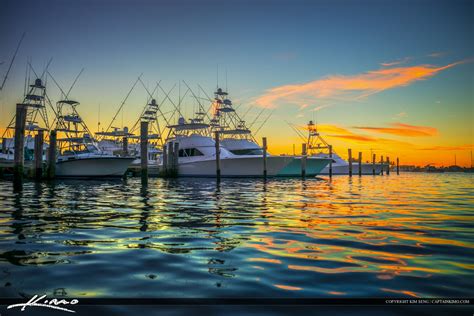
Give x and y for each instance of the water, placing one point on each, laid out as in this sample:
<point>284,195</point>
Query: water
<point>387,236</point>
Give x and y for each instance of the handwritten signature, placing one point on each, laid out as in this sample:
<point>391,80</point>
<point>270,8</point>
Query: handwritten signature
<point>40,301</point>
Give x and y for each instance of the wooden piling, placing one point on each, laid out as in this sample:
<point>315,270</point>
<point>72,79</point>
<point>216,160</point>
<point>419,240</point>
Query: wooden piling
<point>39,138</point>
<point>360,163</point>
<point>169,165</point>
<point>218,158</point>
<point>20,123</point>
<point>52,154</point>
<point>381,165</point>
<point>303,160</point>
<point>175,159</point>
<point>349,152</point>
<point>373,164</point>
<point>330,162</point>
<point>398,166</point>
<point>144,148</point>
<point>125,146</point>
<point>264,143</point>
<point>4,145</point>
<point>388,166</point>
<point>165,159</point>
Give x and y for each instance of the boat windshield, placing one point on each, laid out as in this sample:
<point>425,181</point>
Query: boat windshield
<point>248,151</point>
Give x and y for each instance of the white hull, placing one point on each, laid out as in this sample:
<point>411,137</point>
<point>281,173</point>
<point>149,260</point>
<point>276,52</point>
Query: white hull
<point>367,169</point>
<point>250,166</point>
<point>93,167</point>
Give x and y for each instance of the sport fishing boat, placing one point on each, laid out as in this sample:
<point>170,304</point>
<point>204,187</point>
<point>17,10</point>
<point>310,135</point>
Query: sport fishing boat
<point>34,101</point>
<point>318,147</point>
<point>79,154</point>
<point>124,142</point>
<point>341,166</point>
<point>238,139</point>
<point>197,154</point>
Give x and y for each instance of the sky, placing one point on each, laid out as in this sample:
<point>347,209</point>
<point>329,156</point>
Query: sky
<point>392,78</point>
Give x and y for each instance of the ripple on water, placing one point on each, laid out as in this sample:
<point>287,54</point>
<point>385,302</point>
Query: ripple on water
<point>409,235</point>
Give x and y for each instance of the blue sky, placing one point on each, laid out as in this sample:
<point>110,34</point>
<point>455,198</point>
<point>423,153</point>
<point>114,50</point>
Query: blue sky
<point>261,44</point>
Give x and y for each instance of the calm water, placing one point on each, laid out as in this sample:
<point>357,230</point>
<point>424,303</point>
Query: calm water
<point>409,235</point>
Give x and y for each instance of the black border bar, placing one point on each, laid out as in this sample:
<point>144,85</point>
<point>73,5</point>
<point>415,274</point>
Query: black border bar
<point>259,301</point>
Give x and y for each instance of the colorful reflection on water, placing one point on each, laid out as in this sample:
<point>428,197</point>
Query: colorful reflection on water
<point>388,236</point>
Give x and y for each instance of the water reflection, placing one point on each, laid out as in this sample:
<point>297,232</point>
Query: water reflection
<point>372,236</point>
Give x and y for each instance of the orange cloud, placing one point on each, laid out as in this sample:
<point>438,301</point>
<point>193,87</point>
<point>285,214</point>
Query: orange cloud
<point>334,131</point>
<point>348,87</point>
<point>401,129</point>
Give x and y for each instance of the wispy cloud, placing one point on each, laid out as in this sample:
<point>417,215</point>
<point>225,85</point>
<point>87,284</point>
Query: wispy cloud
<point>401,114</point>
<point>449,148</point>
<point>437,54</point>
<point>396,62</point>
<point>353,87</point>
<point>401,129</point>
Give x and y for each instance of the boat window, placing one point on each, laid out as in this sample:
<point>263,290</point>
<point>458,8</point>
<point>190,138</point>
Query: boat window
<point>250,151</point>
<point>189,152</point>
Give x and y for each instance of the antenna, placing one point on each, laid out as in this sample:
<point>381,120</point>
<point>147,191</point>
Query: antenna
<point>227,90</point>
<point>11,63</point>
<point>217,76</point>
<point>98,120</point>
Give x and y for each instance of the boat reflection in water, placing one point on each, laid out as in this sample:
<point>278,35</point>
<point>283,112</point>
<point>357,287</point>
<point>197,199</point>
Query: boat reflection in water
<point>405,236</point>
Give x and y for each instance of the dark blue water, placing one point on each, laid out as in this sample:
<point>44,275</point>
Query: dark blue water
<point>387,236</point>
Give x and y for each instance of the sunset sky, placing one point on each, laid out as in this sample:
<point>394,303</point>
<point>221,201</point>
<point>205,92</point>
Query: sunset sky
<point>392,77</point>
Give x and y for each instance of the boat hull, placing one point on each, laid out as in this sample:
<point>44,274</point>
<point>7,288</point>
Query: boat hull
<point>367,169</point>
<point>93,167</point>
<point>314,166</point>
<point>234,167</point>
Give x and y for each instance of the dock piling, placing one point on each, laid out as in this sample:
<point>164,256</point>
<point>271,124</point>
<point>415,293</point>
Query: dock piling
<point>388,166</point>
<point>144,148</point>
<point>4,145</point>
<point>330,162</point>
<point>174,166</point>
<point>52,154</point>
<point>169,164</point>
<point>218,158</point>
<point>373,164</point>
<point>20,124</point>
<point>360,163</point>
<point>398,166</point>
<point>39,139</point>
<point>381,165</point>
<point>349,152</point>
<point>165,159</point>
<point>264,145</point>
<point>125,146</point>
<point>303,160</point>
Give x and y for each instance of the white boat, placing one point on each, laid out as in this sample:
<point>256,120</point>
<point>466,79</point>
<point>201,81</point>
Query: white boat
<point>238,140</point>
<point>112,141</point>
<point>246,147</point>
<point>319,148</point>
<point>35,104</point>
<point>197,157</point>
<point>79,154</point>
<point>91,164</point>
<point>341,166</point>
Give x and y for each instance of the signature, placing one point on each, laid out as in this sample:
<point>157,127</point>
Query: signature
<point>40,301</point>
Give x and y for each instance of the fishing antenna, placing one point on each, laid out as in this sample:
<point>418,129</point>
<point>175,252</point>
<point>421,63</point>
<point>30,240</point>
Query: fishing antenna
<point>264,122</point>
<point>123,103</point>
<point>11,63</point>
<point>296,131</point>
